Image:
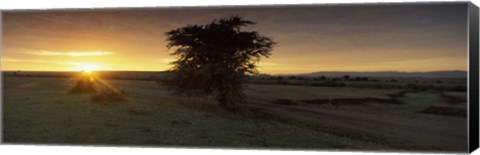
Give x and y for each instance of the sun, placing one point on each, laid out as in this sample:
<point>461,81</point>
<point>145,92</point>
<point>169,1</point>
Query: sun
<point>87,68</point>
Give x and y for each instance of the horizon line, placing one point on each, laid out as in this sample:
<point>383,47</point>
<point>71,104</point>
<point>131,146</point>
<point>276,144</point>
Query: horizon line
<point>258,73</point>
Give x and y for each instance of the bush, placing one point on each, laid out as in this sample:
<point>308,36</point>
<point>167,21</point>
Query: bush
<point>84,85</point>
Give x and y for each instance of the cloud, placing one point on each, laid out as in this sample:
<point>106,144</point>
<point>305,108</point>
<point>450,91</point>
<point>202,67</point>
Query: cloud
<point>4,59</point>
<point>9,60</point>
<point>42,61</point>
<point>70,53</point>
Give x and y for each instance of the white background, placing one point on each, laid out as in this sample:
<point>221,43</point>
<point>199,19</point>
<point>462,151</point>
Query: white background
<point>86,150</point>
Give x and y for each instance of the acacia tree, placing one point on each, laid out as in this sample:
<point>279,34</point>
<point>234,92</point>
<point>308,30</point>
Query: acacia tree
<point>214,59</point>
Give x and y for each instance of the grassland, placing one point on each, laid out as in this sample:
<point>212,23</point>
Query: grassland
<point>40,110</point>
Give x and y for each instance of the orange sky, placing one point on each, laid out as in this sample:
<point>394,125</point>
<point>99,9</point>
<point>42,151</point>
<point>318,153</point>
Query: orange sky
<point>314,38</point>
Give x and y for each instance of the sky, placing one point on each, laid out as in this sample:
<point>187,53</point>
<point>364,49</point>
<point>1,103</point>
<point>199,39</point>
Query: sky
<point>394,37</point>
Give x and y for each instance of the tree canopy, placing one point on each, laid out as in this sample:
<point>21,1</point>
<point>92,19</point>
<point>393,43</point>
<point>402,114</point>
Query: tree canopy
<point>214,59</point>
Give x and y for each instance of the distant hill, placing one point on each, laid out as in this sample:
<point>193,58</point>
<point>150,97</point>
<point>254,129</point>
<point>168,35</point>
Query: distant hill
<point>437,74</point>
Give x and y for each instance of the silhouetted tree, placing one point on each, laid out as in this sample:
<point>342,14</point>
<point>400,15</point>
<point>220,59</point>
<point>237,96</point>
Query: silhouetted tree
<point>214,59</point>
<point>346,77</point>
<point>322,77</point>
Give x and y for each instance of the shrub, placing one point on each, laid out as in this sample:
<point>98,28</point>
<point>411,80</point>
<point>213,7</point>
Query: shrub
<point>322,78</point>
<point>83,85</point>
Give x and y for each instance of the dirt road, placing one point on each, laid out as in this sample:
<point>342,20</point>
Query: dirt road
<point>401,131</point>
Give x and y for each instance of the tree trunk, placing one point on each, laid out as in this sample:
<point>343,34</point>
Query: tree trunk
<point>222,99</point>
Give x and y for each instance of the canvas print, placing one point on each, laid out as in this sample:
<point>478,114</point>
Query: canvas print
<point>378,77</point>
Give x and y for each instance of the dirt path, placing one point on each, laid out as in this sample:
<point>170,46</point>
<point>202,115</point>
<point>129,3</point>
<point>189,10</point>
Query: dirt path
<point>401,131</point>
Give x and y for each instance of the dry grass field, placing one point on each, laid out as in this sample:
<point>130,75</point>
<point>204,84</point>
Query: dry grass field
<point>41,110</point>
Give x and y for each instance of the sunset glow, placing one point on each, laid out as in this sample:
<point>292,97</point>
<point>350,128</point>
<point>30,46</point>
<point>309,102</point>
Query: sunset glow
<point>310,39</point>
<point>88,68</point>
